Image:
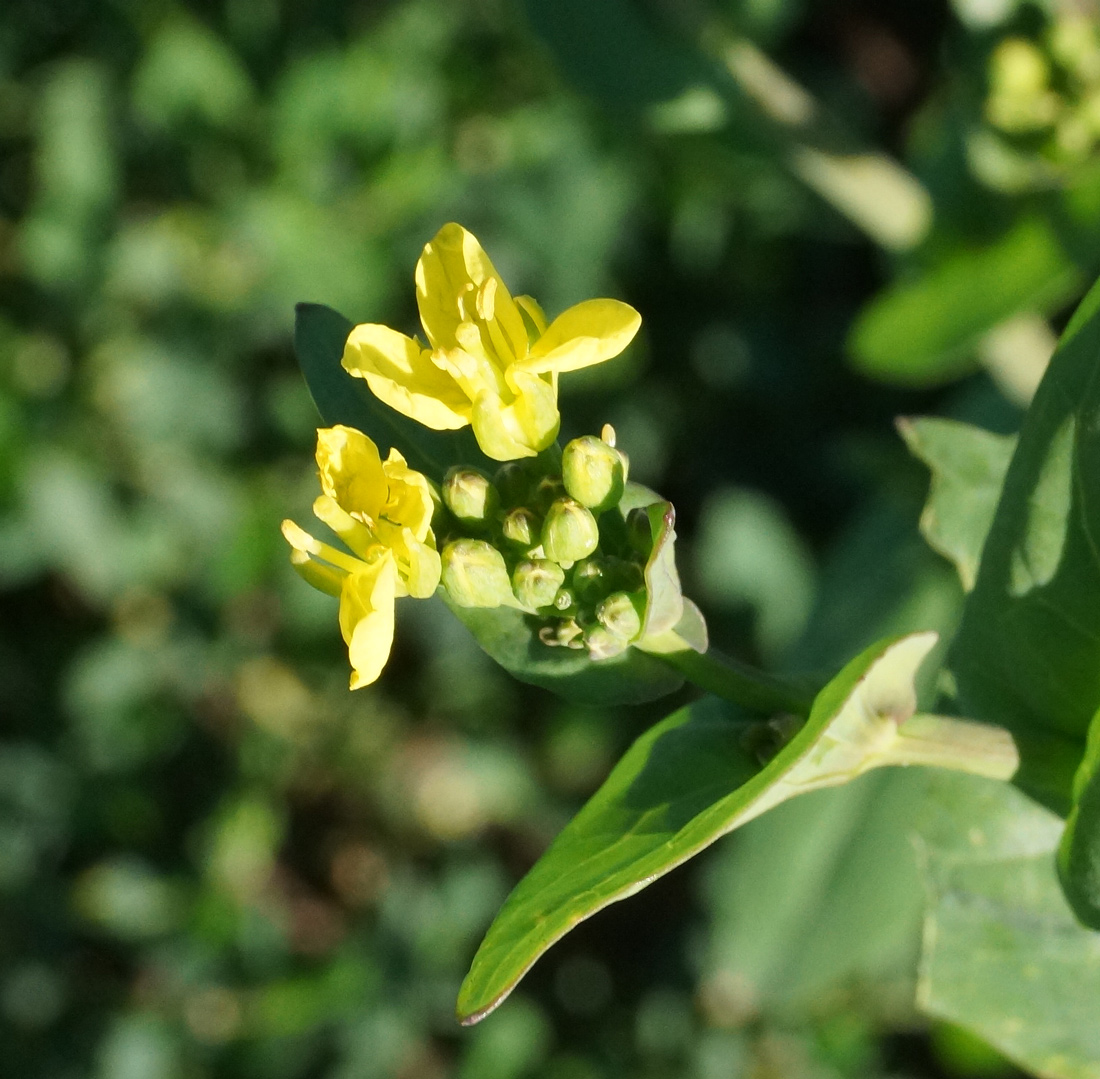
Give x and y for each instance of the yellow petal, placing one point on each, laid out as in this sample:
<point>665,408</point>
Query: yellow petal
<point>587,333</point>
<point>498,431</point>
<point>366,619</point>
<point>424,567</point>
<point>535,408</point>
<point>323,578</point>
<point>350,469</point>
<point>401,373</point>
<point>411,502</point>
<point>533,316</point>
<point>450,288</point>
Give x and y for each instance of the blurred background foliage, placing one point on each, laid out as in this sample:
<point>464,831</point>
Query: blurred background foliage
<point>214,860</point>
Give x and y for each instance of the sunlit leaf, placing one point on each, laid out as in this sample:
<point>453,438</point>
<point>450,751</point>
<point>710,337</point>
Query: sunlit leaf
<point>968,470</point>
<point>699,774</point>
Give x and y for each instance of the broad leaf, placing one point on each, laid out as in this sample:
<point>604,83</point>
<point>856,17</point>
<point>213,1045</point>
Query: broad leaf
<point>1003,955</point>
<point>925,332</point>
<point>1027,654</point>
<point>319,336</point>
<point>692,778</point>
<point>968,471</point>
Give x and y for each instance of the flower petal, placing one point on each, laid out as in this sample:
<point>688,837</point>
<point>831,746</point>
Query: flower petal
<point>498,430</point>
<point>411,502</point>
<point>401,373</point>
<point>366,618</point>
<point>586,333</point>
<point>350,469</point>
<point>450,279</point>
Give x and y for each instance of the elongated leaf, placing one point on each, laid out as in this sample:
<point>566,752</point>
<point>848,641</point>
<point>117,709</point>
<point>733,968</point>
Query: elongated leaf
<point>1003,955</point>
<point>692,778</point>
<point>968,471</point>
<point>925,332</point>
<point>1027,654</point>
<point>319,336</point>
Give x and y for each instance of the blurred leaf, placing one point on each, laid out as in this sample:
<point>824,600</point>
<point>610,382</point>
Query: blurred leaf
<point>926,332</point>
<point>319,336</point>
<point>1027,654</point>
<point>968,471</point>
<point>689,780</point>
<point>1003,955</point>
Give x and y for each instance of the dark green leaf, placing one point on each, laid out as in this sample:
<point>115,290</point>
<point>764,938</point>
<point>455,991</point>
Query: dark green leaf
<point>968,471</point>
<point>682,785</point>
<point>319,336</point>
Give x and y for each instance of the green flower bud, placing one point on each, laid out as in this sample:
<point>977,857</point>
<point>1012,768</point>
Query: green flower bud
<point>474,574</point>
<point>535,582</point>
<point>602,643</point>
<point>621,613</point>
<point>470,495</point>
<point>569,532</point>
<point>566,599</point>
<point>595,578</point>
<point>593,473</point>
<point>521,527</point>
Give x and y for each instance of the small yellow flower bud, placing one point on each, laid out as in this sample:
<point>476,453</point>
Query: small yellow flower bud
<point>521,527</point>
<point>621,614</point>
<point>536,582</point>
<point>569,532</point>
<point>602,643</point>
<point>593,473</point>
<point>474,574</point>
<point>470,496</point>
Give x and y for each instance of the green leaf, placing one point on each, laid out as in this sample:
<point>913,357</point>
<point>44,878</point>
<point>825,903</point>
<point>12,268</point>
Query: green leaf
<point>319,336</point>
<point>510,637</point>
<point>1027,654</point>
<point>689,780</point>
<point>1079,851</point>
<point>968,471</point>
<point>924,332</point>
<point>1003,955</point>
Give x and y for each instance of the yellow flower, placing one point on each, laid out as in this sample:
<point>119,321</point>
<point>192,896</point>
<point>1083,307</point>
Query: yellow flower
<point>492,362</point>
<point>383,511</point>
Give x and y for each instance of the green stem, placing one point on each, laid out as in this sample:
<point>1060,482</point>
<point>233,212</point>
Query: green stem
<point>738,682</point>
<point>959,744</point>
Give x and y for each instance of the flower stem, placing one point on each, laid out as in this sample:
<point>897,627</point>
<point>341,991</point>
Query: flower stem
<point>738,682</point>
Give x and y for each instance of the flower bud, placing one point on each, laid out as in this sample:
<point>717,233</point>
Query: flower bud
<point>535,582</point>
<point>593,473</point>
<point>602,643</point>
<point>621,614</point>
<point>474,574</point>
<point>521,527</point>
<point>565,600</point>
<point>569,532</point>
<point>470,495</point>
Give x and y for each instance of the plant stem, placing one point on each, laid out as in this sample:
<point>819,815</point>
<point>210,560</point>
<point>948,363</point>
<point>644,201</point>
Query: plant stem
<point>738,682</point>
<point>959,744</point>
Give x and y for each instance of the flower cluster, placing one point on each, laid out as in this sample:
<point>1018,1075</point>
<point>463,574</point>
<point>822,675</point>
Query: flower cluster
<point>543,534</point>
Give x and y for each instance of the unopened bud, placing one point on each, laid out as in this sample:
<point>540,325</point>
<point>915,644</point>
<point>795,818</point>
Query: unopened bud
<point>593,473</point>
<point>602,643</point>
<point>474,574</point>
<point>535,582</point>
<point>621,614</point>
<point>521,527</point>
<point>470,495</point>
<point>569,532</point>
<point>565,600</point>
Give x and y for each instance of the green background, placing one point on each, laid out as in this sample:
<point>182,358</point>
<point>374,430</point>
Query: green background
<point>214,860</point>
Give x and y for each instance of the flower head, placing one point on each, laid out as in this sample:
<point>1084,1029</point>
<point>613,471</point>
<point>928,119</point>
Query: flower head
<point>382,511</point>
<point>492,361</point>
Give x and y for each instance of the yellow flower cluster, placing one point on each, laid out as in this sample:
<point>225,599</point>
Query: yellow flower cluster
<point>492,362</point>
